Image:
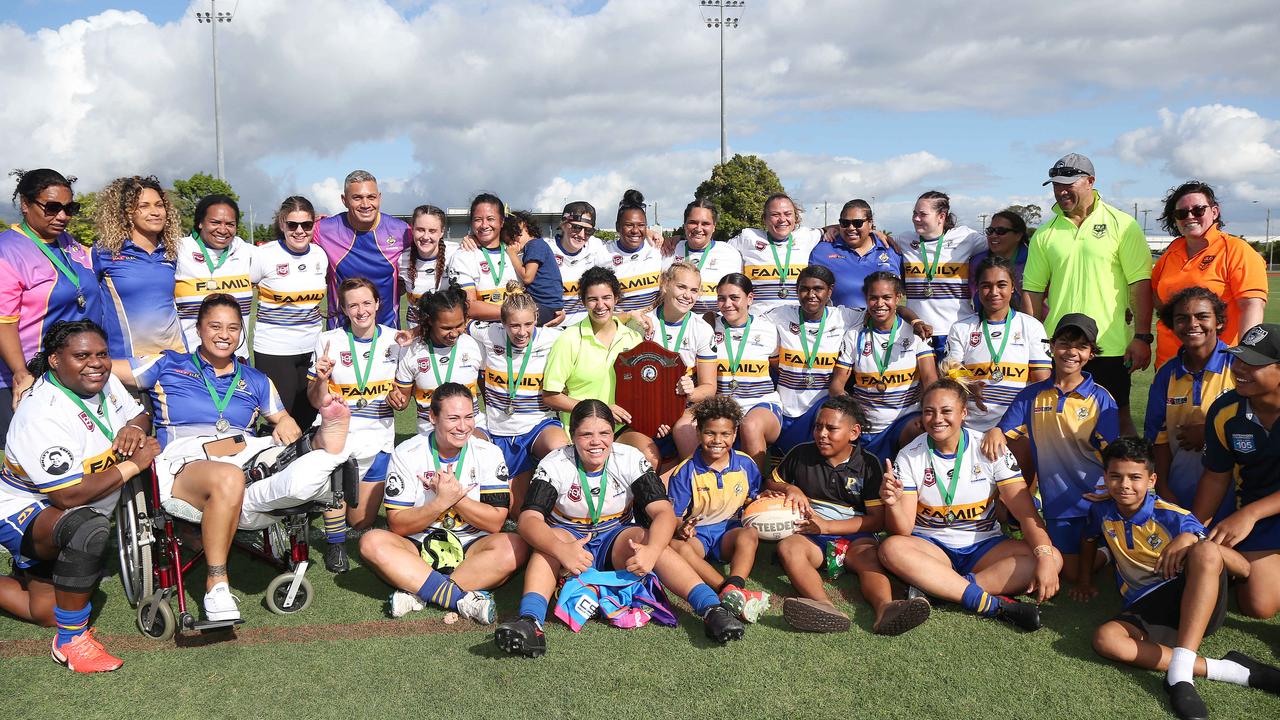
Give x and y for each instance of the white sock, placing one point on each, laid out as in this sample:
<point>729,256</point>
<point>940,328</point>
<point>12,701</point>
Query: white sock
<point>1227,671</point>
<point>1182,667</point>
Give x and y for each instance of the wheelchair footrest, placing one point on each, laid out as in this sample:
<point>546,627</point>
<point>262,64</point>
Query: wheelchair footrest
<point>205,626</point>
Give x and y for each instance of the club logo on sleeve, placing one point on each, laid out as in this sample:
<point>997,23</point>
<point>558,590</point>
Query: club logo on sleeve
<point>395,485</point>
<point>56,460</point>
<point>1243,442</point>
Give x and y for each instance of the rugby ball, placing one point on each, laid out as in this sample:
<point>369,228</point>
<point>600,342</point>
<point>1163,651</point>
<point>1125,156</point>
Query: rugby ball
<point>771,517</point>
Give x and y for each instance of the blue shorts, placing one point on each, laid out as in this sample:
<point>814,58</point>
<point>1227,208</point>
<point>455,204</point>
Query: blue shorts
<point>964,559</point>
<point>939,344</point>
<point>1265,536</point>
<point>774,408</point>
<point>517,450</point>
<point>378,468</point>
<point>602,544</point>
<point>822,540</point>
<point>1066,533</point>
<point>712,537</point>
<point>14,528</point>
<point>797,430</point>
<point>667,446</point>
<point>884,444</point>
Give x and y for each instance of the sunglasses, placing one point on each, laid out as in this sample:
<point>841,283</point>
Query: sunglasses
<point>1197,211</point>
<point>855,223</point>
<point>1067,172</point>
<point>571,229</point>
<point>999,231</point>
<point>305,225</point>
<point>53,207</point>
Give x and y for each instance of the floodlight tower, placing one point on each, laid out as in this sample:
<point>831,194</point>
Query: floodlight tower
<point>213,17</point>
<point>713,14</point>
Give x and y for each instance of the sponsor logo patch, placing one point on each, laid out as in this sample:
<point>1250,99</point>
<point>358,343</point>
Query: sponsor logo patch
<point>1243,443</point>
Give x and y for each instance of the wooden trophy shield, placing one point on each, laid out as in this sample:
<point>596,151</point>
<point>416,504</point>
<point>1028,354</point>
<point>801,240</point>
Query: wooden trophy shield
<point>646,377</point>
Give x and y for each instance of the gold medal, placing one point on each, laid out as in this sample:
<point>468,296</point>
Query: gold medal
<point>361,404</point>
<point>928,290</point>
<point>733,386</point>
<point>997,375</point>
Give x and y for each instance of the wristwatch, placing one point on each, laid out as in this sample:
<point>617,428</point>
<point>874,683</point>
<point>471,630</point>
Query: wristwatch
<point>1147,338</point>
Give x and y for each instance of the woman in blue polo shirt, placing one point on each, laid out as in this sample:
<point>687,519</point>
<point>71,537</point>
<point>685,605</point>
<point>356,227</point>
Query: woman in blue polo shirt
<point>853,253</point>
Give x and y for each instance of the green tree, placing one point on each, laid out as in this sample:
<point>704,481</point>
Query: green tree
<point>261,233</point>
<point>81,226</point>
<point>1031,214</point>
<point>737,189</point>
<point>186,193</point>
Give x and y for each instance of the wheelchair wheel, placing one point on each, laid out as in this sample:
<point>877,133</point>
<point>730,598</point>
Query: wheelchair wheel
<point>278,591</point>
<point>162,626</point>
<point>135,551</point>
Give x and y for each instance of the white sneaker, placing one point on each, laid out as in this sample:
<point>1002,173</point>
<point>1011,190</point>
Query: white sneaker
<point>220,604</point>
<point>479,606</point>
<point>402,603</point>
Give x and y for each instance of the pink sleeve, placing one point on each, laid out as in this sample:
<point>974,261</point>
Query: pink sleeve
<point>11,289</point>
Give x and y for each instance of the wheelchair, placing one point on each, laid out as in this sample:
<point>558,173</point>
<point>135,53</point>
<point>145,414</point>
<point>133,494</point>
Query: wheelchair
<point>155,553</point>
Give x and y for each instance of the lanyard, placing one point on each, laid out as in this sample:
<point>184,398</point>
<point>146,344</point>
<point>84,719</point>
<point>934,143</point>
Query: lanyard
<point>362,381</point>
<point>883,364</point>
<point>684,325</point>
<point>59,261</point>
<point>1004,341</point>
<point>435,456</point>
<point>809,357</point>
<point>219,404</point>
<point>514,387</point>
<point>931,267</point>
<point>204,252</point>
<point>948,491</point>
<point>435,366</point>
<point>784,270</point>
<point>742,346</point>
<point>706,252</point>
<point>495,273</point>
<point>595,508</point>
<point>102,406</point>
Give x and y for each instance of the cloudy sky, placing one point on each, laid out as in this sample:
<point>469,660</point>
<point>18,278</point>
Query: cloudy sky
<point>543,101</point>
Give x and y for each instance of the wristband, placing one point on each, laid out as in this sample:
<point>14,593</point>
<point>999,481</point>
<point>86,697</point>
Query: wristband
<point>128,469</point>
<point>1042,550</point>
<point>917,320</point>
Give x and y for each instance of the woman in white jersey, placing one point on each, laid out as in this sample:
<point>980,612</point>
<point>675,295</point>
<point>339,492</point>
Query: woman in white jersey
<point>484,271</point>
<point>357,362</point>
<point>637,261</point>
<point>940,496</point>
<point>746,348</point>
<point>290,274</point>
<point>422,268</point>
<point>773,256</point>
<point>577,249</point>
<point>440,353</point>
<point>935,263</point>
<point>515,356</point>
<point>712,258</point>
<point>212,260</point>
<point>1003,348</point>
<point>885,366</point>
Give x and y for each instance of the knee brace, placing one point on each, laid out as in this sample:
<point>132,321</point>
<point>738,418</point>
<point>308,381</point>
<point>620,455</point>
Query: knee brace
<point>81,536</point>
<point>345,483</point>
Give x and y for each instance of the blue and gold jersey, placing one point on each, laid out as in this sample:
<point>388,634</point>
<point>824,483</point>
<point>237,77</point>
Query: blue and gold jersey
<point>1068,432</point>
<point>182,404</point>
<point>1136,542</point>
<point>1235,442</point>
<point>713,496</point>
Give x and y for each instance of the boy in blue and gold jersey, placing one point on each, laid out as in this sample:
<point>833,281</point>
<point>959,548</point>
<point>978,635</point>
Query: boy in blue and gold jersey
<point>709,490</point>
<point>1173,583</point>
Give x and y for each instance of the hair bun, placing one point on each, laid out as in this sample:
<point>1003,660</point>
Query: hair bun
<point>632,198</point>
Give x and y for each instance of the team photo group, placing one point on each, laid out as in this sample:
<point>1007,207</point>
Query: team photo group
<point>942,414</point>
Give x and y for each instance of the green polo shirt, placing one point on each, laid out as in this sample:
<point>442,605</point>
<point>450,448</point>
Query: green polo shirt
<point>582,368</point>
<point>1089,269</point>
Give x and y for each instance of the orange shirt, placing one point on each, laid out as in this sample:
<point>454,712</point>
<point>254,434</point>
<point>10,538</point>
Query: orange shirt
<point>1227,266</point>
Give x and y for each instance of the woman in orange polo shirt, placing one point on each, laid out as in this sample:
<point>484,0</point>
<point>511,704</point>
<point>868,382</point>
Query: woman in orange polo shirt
<point>1203,255</point>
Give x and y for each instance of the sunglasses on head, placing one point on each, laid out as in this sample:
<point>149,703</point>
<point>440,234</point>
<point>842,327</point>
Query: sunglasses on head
<point>856,223</point>
<point>1197,211</point>
<point>999,231</point>
<point>1067,172</point>
<point>53,207</point>
<point>305,225</point>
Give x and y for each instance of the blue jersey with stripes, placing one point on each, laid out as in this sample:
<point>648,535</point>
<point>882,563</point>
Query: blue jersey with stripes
<point>183,406</point>
<point>140,316</point>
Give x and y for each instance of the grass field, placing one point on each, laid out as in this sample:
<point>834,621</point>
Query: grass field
<point>341,658</point>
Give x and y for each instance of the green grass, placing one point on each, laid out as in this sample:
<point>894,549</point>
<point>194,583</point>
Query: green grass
<point>955,666</point>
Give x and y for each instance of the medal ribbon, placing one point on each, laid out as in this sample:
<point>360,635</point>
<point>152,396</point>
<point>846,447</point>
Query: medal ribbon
<point>362,381</point>
<point>435,366</point>
<point>706,252</point>
<point>219,404</point>
<point>514,387</point>
<point>809,357</point>
<point>204,252</point>
<point>784,270</point>
<point>883,365</point>
<point>500,266</point>
<point>734,362</point>
<point>684,325</point>
<point>60,261</point>
<point>102,406</point>
<point>1004,341</point>
<point>948,491</point>
<point>594,509</point>
<point>435,456</point>
<point>931,268</point>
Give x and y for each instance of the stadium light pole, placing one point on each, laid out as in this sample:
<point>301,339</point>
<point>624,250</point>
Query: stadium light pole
<point>213,17</point>
<point>713,15</point>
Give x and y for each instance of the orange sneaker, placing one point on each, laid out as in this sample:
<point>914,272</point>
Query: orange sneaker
<point>85,655</point>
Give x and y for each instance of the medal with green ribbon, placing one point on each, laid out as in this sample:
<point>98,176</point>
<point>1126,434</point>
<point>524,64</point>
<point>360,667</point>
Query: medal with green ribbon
<point>496,269</point>
<point>734,362</point>
<point>206,254</point>
<point>513,385</point>
<point>220,404</point>
<point>882,364</point>
<point>439,465</point>
<point>99,418</point>
<point>684,325</point>
<point>996,373</point>
<point>362,380</point>
<point>811,355</point>
<point>448,373</point>
<point>594,508</point>
<point>784,269</point>
<point>948,489</point>
<point>60,261</point>
<point>930,268</point>
<point>706,252</point>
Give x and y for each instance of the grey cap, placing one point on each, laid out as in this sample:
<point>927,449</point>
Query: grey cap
<point>1069,169</point>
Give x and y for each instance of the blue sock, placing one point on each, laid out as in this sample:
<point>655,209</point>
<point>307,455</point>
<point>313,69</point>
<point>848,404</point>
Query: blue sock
<point>533,605</point>
<point>71,623</point>
<point>703,598</point>
<point>976,600</point>
<point>440,590</point>
<point>335,530</point>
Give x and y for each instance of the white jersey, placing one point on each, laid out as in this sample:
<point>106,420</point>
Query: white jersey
<point>52,444</point>
<point>697,344</point>
<point>750,384</point>
<point>638,271</point>
<point>425,367</point>
<point>508,415</point>
<point>714,262</point>
<point>773,267</point>
<point>803,376</point>
<point>571,268</point>
<point>560,469</point>
<point>1025,351</point>
<point>483,474</point>
<point>425,279</point>
<point>373,422</point>
<point>887,395</point>
<point>291,289</point>
<point>193,283</point>
<point>942,301</point>
<point>970,517</point>
<point>485,271</point>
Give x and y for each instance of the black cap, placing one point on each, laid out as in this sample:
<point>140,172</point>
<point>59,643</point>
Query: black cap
<point>1081,322</point>
<point>1259,346</point>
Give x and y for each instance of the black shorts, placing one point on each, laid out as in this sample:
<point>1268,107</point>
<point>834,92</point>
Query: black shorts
<point>1110,373</point>
<point>1158,612</point>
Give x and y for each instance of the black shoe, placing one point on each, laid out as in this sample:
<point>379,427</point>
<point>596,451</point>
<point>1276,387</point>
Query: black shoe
<point>521,636</point>
<point>813,616</point>
<point>1186,702</point>
<point>1023,616</point>
<point>335,558</point>
<point>722,626</point>
<point>1261,675</point>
